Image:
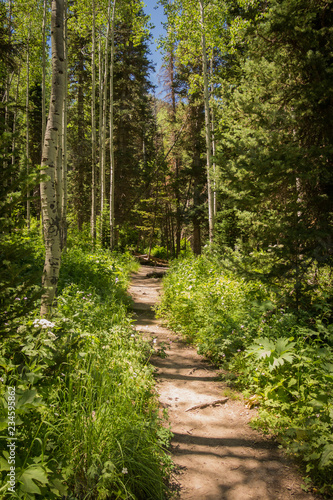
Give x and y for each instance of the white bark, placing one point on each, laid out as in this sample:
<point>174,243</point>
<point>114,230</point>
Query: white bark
<point>5,97</point>
<point>27,153</point>
<point>207,125</point>
<point>103,153</point>
<point>100,98</point>
<point>112,232</point>
<point>63,209</point>
<point>213,145</point>
<point>43,71</point>
<point>14,119</point>
<point>93,128</point>
<point>50,210</point>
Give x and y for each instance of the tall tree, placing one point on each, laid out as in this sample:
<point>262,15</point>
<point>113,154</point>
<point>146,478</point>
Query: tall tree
<point>93,126</point>
<point>208,131</point>
<point>104,123</point>
<point>63,180</point>
<point>44,70</point>
<point>27,150</point>
<point>112,165</point>
<point>50,207</point>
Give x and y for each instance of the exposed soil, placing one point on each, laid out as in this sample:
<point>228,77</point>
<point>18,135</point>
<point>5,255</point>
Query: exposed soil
<point>218,456</point>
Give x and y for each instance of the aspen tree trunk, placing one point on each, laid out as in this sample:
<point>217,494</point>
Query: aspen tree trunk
<point>103,153</point>
<point>154,221</point>
<point>93,129</point>
<point>51,222</point>
<point>172,232</point>
<point>100,99</point>
<point>14,119</point>
<point>5,97</point>
<point>59,177</point>
<point>297,245</point>
<point>61,165</point>
<point>214,165</point>
<point>27,153</point>
<point>207,125</point>
<point>213,145</point>
<point>176,158</point>
<point>43,71</point>
<point>112,228</point>
<point>63,200</point>
<point>61,184</point>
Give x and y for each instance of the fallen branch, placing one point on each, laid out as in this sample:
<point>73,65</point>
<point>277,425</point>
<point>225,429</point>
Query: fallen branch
<point>153,261</point>
<point>212,403</point>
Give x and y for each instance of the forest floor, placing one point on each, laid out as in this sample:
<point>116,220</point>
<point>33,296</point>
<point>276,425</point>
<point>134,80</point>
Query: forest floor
<point>216,453</point>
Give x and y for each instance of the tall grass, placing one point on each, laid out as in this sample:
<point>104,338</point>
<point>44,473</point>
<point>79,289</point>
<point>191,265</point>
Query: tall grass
<point>87,422</point>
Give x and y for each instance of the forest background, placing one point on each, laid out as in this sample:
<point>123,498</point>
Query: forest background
<point>233,165</point>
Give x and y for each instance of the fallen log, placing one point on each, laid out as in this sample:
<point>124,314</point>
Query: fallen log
<point>152,261</point>
<point>211,403</point>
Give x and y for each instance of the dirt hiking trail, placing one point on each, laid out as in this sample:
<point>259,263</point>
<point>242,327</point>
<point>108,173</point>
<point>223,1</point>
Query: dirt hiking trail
<point>218,456</point>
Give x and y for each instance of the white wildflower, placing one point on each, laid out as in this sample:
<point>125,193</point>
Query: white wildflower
<point>43,323</point>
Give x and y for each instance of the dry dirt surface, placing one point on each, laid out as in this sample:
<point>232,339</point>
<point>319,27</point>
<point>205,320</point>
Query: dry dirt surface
<point>217,455</point>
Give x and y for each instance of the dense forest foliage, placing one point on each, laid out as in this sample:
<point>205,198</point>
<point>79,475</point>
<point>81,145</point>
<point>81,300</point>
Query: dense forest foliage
<point>235,164</point>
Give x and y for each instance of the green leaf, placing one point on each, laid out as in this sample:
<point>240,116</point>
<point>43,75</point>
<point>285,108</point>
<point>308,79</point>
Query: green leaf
<point>29,476</point>
<point>326,457</point>
<point>277,362</point>
<point>4,465</point>
<point>58,487</point>
<point>288,357</point>
<point>262,348</point>
<point>3,424</point>
<point>283,345</point>
<point>26,398</point>
<point>33,377</point>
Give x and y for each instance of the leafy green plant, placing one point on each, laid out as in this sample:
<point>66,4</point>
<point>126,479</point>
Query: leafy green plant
<point>87,421</point>
<point>161,351</point>
<point>282,361</point>
<point>274,353</point>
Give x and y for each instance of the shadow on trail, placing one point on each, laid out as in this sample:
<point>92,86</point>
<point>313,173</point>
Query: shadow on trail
<point>222,442</point>
<point>170,376</point>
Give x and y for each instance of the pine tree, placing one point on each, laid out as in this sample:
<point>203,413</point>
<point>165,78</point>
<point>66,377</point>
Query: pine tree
<point>277,141</point>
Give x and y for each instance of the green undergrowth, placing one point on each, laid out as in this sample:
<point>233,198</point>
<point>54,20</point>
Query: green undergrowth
<point>86,415</point>
<point>283,360</point>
